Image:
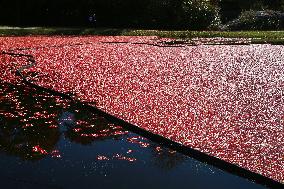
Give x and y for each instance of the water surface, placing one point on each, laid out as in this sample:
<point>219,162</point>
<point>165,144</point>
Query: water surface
<point>50,142</point>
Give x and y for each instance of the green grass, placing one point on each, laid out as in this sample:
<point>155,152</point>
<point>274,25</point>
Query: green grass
<point>273,37</point>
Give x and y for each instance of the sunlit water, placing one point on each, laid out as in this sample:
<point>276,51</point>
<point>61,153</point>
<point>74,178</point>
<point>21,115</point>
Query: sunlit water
<point>50,142</point>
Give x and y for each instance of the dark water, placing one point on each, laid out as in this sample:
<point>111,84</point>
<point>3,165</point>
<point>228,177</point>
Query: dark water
<point>50,142</point>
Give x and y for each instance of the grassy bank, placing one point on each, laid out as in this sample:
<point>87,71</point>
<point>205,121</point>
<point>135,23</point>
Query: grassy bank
<point>273,37</point>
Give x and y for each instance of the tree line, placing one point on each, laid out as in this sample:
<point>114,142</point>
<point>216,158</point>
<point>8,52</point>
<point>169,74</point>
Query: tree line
<point>165,14</point>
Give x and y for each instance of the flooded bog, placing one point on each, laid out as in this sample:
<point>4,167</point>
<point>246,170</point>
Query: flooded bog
<point>50,142</point>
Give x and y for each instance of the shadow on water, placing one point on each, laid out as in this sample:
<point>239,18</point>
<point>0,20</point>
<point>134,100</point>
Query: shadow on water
<point>47,141</point>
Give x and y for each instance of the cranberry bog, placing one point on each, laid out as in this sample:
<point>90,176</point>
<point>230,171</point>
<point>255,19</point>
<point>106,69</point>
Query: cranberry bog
<point>223,104</point>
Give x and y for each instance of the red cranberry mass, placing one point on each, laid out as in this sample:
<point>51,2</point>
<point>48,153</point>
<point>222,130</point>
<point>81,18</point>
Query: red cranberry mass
<point>226,101</point>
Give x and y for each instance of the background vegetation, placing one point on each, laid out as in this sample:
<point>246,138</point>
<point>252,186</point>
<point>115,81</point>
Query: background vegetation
<point>145,14</point>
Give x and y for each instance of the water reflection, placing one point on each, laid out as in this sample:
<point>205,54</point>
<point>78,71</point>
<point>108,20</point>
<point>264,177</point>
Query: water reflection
<point>25,122</point>
<point>166,159</point>
<point>32,123</point>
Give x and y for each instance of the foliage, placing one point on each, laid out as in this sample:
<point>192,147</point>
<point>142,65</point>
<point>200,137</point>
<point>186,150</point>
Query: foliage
<point>258,20</point>
<point>143,14</point>
<point>231,9</point>
<point>170,14</point>
<point>199,14</point>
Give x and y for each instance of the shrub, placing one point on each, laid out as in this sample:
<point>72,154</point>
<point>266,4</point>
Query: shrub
<point>199,14</point>
<point>258,20</point>
<point>182,14</point>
